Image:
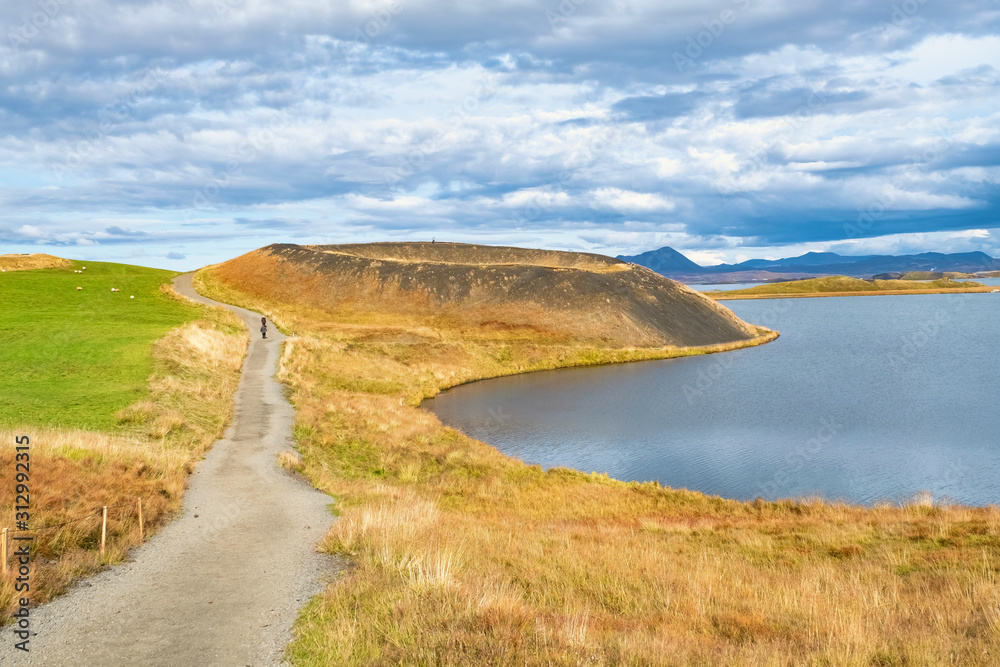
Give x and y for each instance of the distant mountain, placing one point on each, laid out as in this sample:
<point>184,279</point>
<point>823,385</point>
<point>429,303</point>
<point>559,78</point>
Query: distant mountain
<point>666,260</point>
<point>673,264</point>
<point>808,259</point>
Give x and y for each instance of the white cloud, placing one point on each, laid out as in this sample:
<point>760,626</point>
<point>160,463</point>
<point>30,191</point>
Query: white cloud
<point>625,201</point>
<point>486,116</point>
<point>941,55</point>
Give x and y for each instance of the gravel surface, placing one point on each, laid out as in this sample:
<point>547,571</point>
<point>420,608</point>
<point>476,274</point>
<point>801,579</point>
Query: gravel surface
<point>222,584</point>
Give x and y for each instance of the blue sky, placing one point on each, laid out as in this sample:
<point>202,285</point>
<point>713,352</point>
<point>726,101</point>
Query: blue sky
<point>181,133</point>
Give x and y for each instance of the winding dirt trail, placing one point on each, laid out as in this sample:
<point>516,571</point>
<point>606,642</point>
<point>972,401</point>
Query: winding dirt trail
<point>222,584</point>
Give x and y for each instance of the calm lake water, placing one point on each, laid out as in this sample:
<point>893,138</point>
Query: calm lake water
<point>861,399</point>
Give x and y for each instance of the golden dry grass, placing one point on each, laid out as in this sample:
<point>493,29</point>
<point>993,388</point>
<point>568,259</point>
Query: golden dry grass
<point>74,473</point>
<point>464,556</point>
<point>845,286</point>
<point>32,261</point>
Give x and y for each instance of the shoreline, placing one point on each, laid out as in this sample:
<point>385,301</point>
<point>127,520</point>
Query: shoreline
<point>769,335</point>
<point>631,356</point>
<point>722,296</point>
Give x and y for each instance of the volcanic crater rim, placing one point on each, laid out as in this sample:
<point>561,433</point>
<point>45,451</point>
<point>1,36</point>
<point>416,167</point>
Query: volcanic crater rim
<point>472,255</point>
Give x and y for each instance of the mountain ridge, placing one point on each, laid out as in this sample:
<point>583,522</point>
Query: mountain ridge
<point>812,264</point>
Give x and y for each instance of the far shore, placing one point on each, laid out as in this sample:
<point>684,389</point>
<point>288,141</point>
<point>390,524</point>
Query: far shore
<point>726,296</point>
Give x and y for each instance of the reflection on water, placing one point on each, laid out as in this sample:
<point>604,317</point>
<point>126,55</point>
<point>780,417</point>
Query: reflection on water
<point>862,399</point>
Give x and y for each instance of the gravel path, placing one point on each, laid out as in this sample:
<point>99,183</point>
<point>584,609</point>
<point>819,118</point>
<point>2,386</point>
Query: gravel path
<point>222,584</point>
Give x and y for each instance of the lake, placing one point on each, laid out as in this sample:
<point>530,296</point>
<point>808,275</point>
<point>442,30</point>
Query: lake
<point>863,399</point>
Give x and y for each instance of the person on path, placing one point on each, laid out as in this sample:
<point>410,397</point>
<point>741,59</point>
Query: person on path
<point>263,327</point>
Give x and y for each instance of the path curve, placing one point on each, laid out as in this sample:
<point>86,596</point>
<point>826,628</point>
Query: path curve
<point>222,584</point>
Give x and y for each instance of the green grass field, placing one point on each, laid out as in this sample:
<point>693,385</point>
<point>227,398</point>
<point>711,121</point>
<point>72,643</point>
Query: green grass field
<point>73,358</point>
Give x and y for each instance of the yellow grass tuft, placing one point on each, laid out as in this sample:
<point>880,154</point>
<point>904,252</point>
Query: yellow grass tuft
<point>397,520</point>
<point>166,422</point>
<point>434,570</point>
<point>575,630</point>
<point>290,460</point>
<point>136,413</point>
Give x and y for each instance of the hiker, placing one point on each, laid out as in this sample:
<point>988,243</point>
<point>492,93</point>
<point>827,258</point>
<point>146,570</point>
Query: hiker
<point>263,327</point>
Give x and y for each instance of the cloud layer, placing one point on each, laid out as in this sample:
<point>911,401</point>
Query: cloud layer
<point>193,131</point>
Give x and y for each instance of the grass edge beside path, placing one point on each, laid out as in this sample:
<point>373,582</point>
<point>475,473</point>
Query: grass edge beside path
<point>147,454</point>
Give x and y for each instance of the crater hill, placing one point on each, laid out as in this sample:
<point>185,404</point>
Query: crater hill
<point>556,294</point>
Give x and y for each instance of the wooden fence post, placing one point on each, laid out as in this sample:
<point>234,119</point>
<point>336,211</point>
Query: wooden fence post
<point>104,529</point>
<point>3,550</point>
<point>139,500</point>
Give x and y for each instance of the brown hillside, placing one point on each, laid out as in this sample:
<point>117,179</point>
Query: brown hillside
<point>32,261</point>
<point>561,294</point>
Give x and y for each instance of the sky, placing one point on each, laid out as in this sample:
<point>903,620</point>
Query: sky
<point>182,133</point>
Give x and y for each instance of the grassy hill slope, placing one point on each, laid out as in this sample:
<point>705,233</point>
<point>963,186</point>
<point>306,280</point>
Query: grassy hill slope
<point>75,357</point>
<point>558,295</point>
